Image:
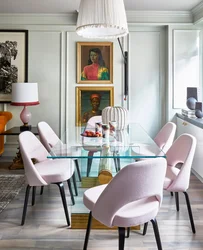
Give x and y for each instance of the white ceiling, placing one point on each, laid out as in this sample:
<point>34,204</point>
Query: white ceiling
<point>65,6</point>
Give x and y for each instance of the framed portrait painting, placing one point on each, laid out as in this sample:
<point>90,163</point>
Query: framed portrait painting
<point>90,101</point>
<point>13,61</point>
<point>95,62</point>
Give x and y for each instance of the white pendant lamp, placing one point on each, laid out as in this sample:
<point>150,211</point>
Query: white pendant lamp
<point>102,19</point>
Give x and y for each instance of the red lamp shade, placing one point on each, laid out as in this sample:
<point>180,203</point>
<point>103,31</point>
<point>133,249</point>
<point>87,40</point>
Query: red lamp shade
<point>25,94</point>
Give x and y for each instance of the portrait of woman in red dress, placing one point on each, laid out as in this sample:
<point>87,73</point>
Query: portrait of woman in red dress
<point>95,70</point>
<point>95,62</point>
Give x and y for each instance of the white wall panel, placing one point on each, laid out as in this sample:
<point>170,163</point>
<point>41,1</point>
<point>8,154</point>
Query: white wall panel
<point>146,84</point>
<point>43,68</point>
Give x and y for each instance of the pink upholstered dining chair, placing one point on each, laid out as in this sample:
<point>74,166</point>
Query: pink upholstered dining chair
<point>91,125</point>
<point>40,171</point>
<point>164,138</point>
<point>133,197</point>
<point>179,161</point>
<point>177,179</point>
<point>91,122</point>
<point>49,139</point>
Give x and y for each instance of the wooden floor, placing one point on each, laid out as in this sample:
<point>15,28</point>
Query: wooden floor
<point>45,225</point>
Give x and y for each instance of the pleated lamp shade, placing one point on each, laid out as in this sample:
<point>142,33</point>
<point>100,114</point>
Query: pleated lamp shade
<point>102,19</point>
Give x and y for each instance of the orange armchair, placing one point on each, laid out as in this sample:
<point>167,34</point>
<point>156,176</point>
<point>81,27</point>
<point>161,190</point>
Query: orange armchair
<point>5,116</point>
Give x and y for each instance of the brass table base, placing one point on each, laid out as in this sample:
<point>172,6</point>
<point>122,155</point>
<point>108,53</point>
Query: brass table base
<point>79,221</point>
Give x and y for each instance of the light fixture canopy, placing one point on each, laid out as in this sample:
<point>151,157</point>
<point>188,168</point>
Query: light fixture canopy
<point>25,94</point>
<point>102,19</point>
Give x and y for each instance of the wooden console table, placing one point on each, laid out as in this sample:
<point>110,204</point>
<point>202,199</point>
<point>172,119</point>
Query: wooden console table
<point>17,161</point>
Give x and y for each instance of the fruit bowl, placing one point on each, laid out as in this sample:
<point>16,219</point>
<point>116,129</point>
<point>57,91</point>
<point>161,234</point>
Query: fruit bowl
<point>89,133</point>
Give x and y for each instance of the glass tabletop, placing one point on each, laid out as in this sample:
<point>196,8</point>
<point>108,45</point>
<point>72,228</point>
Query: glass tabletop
<point>132,142</point>
<point>100,159</point>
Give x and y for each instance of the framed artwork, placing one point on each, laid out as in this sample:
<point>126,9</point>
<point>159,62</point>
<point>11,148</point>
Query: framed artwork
<point>90,101</point>
<point>13,61</point>
<point>95,62</point>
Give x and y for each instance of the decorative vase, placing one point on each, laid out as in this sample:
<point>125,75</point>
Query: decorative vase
<point>191,103</point>
<point>198,110</point>
<point>117,114</point>
<point>198,113</point>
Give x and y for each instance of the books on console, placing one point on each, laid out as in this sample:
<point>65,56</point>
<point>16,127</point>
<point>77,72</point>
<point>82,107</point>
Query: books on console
<point>189,113</point>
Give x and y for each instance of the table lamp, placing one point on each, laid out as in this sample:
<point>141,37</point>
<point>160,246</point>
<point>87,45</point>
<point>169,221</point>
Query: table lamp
<point>25,94</point>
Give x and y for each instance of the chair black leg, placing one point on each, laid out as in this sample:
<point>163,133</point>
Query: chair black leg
<point>190,212</point>
<point>119,164</point>
<point>145,228</point>
<point>156,233</point>
<point>89,162</point>
<point>88,231</point>
<point>33,195</point>
<point>115,163</point>
<point>63,197</point>
<point>25,204</point>
<point>171,193</point>
<point>78,170</point>
<point>128,232</point>
<point>71,191</point>
<point>41,190</point>
<point>121,238</point>
<point>177,201</point>
<point>75,184</point>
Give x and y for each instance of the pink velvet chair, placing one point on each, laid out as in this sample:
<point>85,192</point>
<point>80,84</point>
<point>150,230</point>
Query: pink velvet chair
<point>91,125</point>
<point>164,138</point>
<point>133,197</point>
<point>41,171</point>
<point>91,122</point>
<point>177,179</point>
<point>49,139</point>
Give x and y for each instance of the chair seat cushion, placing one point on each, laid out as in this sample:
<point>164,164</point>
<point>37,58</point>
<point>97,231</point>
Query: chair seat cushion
<point>91,195</point>
<point>171,174</point>
<point>136,213</point>
<point>57,170</point>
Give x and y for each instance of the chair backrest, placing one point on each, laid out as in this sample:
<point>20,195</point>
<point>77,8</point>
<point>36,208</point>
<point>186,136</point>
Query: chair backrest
<point>47,136</point>
<point>182,151</point>
<point>32,150</point>
<point>135,181</point>
<point>91,122</point>
<point>164,138</point>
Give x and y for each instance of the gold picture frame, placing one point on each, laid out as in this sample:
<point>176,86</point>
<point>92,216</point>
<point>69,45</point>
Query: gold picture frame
<point>86,96</point>
<point>95,62</point>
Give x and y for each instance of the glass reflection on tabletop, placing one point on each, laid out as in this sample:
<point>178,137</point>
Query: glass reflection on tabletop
<point>133,142</point>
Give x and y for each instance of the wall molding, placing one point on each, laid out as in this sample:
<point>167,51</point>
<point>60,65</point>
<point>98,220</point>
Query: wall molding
<point>38,19</point>
<point>197,13</point>
<point>133,17</point>
<point>163,17</point>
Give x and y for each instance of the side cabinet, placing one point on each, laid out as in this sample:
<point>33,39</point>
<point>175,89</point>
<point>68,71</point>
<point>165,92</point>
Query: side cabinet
<point>186,127</point>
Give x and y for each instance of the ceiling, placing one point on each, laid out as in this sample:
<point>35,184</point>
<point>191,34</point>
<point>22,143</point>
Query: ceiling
<point>67,6</point>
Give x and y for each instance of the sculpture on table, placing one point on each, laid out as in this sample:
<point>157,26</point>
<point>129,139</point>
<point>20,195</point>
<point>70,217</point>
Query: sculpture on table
<point>198,110</point>
<point>191,98</point>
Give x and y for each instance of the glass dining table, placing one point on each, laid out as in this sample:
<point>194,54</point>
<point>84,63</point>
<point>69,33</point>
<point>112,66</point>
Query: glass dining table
<point>101,158</point>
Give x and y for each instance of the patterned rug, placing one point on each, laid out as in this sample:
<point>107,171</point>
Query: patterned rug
<point>10,186</point>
